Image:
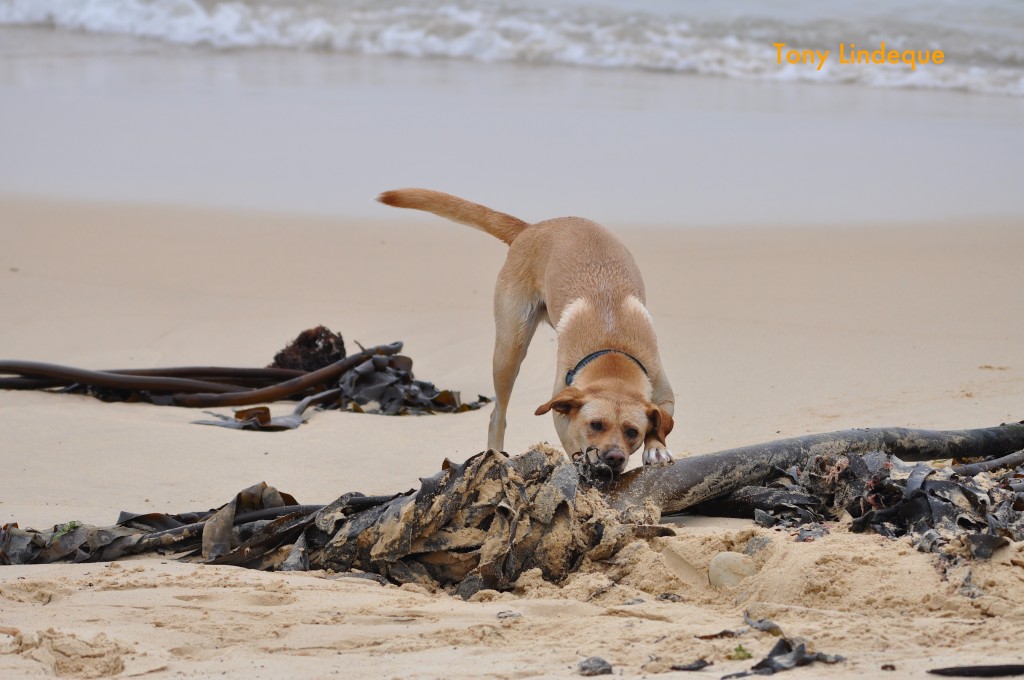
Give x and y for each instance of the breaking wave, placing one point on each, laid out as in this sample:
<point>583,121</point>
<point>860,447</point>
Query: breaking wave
<point>983,39</point>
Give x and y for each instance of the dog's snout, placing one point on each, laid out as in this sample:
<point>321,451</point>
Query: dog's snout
<point>614,458</point>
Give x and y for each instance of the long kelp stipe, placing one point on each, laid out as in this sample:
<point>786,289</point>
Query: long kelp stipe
<point>181,386</point>
<point>691,481</point>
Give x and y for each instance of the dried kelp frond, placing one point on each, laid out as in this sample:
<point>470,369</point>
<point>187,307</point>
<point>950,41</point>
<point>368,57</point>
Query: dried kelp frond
<point>312,350</point>
<point>475,525</point>
<point>216,531</point>
<point>480,525</point>
<point>385,385</point>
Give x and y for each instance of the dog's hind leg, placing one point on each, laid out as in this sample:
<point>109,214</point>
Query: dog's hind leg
<point>515,321</point>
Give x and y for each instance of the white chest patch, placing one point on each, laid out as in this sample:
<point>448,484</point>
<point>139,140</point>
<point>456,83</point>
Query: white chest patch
<point>633,303</point>
<point>572,309</point>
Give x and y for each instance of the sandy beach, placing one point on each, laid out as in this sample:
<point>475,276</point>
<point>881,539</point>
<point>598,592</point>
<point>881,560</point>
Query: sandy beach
<point>816,259</point>
<point>769,333</point>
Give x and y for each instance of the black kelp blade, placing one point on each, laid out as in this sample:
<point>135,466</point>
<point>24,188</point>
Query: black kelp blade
<point>786,655</point>
<point>385,385</point>
<point>215,532</point>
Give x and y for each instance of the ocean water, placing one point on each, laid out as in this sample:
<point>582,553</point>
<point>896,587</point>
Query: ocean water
<point>641,112</point>
<point>983,40</point>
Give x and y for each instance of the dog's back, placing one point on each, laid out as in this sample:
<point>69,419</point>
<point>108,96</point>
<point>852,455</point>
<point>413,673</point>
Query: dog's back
<point>554,261</point>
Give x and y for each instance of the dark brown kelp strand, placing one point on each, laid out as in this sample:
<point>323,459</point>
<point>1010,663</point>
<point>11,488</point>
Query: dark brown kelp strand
<point>218,373</point>
<point>971,469</point>
<point>288,387</point>
<point>70,375</point>
<point>994,671</point>
<point>62,376</point>
<point>185,383</point>
<point>694,480</point>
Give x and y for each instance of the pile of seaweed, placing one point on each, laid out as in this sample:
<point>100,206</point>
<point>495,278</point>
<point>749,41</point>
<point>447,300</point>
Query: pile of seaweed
<point>482,523</point>
<point>956,511</point>
<point>382,384</point>
<point>472,526</point>
<point>313,369</point>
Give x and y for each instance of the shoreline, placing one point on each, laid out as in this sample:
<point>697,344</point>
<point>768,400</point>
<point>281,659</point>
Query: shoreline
<point>321,134</point>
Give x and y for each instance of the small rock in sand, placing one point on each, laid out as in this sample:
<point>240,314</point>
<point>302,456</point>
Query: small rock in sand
<point>729,568</point>
<point>756,544</point>
<point>595,665</point>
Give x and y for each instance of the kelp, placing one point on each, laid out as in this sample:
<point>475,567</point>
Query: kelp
<point>259,418</point>
<point>952,511</point>
<point>985,671</point>
<point>475,525</point>
<point>134,534</point>
<point>698,479</point>
<point>482,523</point>
<point>311,350</point>
<point>385,385</point>
<point>878,476</point>
<point>787,654</point>
<point>312,368</point>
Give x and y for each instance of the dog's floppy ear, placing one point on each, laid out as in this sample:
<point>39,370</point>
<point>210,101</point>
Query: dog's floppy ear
<point>564,402</point>
<point>659,422</point>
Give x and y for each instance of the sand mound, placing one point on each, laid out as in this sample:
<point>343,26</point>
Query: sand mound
<point>67,655</point>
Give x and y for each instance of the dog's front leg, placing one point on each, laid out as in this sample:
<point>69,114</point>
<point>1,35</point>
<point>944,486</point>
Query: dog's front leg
<point>656,452</point>
<point>513,332</point>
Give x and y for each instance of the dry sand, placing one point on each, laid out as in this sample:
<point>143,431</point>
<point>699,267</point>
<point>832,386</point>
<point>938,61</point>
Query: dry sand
<point>765,332</point>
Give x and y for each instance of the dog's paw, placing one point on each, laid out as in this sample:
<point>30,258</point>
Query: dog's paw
<point>657,455</point>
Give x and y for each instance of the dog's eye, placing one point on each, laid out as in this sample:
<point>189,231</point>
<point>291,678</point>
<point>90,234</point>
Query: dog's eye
<point>632,433</point>
<point>596,425</point>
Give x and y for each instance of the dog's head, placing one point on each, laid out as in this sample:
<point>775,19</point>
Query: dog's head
<point>612,422</point>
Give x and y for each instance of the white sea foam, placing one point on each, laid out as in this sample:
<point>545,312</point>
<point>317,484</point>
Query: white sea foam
<point>983,39</point>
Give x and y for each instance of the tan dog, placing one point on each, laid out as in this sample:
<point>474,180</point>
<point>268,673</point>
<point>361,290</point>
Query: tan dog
<point>611,393</point>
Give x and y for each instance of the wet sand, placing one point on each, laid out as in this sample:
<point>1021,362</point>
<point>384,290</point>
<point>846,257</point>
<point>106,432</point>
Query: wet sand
<point>106,118</point>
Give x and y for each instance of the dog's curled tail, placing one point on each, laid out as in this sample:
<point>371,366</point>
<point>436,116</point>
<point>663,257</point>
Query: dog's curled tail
<point>499,225</point>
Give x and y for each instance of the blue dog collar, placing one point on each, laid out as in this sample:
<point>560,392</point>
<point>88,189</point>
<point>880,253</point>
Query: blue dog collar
<point>570,375</point>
